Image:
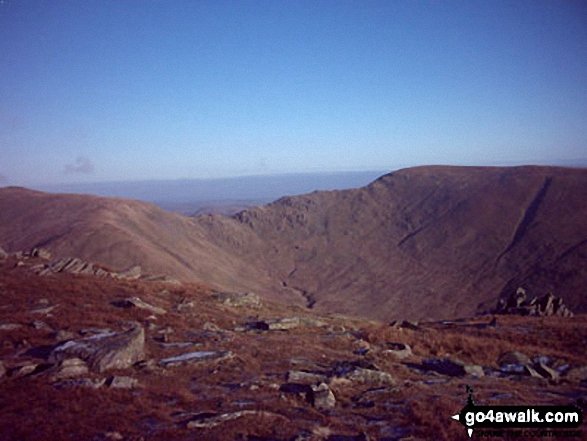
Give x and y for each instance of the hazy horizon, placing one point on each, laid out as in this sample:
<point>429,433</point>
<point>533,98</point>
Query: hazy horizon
<point>102,91</point>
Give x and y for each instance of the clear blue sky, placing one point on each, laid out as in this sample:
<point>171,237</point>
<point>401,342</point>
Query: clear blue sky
<point>125,90</point>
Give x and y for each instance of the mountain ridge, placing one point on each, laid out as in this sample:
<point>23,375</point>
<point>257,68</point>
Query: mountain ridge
<point>424,242</point>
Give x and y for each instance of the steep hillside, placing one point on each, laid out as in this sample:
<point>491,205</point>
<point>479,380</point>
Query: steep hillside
<point>427,242</point>
<point>432,241</point>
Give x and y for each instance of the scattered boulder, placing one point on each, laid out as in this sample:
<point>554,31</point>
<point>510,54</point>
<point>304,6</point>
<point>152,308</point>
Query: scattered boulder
<point>111,350</point>
<point>398,350</point>
<point>452,367</point>
<point>138,303</point>
<point>322,397</point>
<point>248,299</point>
<point>196,357</point>
<point>519,304</point>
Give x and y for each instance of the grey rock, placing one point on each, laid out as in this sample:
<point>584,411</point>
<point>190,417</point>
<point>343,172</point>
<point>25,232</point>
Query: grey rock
<point>40,252</point>
<point>576,374</point>
<point>43,309</point>
<point>519,304</point>
<point>207,421</point>
<point>63,335</point>
<point>405,324</point>
<point>68,368</point>
<point>531,372</point>
<point>112,350</point>
<point>370,377</point>
<point>196,357</point>
<point>513,358</point>
<point>122,382</point>
<point>302,377</point>
<point>3,254</point>
<point>283,324</point>
<point>513,369</point>
<point>323,397</point>
<point>546,372</point>
<point>23,369</point>
<point>41,326</point>
<point>398,350</point>
<point>80,382</point>
<point>248,299</point>
<point>132,273</point>
<point>452,367</point>
<point>137,302</point>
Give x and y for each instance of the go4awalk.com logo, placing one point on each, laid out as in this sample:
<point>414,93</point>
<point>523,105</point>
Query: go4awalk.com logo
<point>520,417</point>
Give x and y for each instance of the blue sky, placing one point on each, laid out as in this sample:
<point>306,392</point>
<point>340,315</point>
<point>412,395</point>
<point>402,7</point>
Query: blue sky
<point>111,90</point>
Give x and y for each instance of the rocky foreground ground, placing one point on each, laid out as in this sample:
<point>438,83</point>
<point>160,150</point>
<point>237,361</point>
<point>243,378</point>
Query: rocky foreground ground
<point>122,356</point>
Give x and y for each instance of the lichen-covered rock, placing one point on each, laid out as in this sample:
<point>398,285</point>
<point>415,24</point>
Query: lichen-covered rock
<point>513,358</point>
<point>68,368</point>
<point>397,350</point>
<point>322,397</point>
<point>111,350</point>
<point>302,377</point>
<point>248,299</point>
<point>452,367</point>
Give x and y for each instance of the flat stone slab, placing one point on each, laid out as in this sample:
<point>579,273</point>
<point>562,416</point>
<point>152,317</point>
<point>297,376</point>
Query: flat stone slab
<point>209,421</point>
<point>195,357</point>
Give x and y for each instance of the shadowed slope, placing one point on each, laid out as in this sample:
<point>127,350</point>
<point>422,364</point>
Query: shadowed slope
<point>424,242</point>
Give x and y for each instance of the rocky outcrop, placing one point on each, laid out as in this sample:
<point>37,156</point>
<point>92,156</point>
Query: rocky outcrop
<point>111,350</point>
<point>519,304</point>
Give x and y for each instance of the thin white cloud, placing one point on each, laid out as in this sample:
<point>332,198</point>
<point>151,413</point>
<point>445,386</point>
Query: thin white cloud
<point>82,165</point>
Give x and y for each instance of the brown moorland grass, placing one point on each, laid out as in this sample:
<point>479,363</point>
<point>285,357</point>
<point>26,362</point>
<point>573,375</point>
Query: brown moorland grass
<point>419,404</point>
